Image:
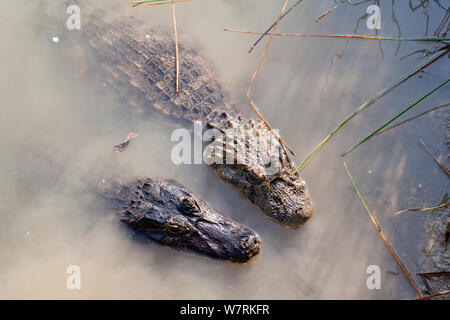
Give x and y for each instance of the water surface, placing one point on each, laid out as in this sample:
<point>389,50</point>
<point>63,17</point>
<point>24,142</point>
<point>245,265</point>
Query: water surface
<point>58,119</point>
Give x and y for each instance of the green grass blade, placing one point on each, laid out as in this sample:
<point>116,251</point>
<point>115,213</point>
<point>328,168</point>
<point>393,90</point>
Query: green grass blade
<point>397,116</point>
<point>373,99</point>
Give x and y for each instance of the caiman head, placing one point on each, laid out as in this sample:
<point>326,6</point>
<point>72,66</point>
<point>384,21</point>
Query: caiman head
<point>168,213</point>
<point>249,156</point>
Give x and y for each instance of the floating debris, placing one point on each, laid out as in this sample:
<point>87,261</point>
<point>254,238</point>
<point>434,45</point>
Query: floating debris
<point>329,11</point>
<point>427,277</point>
<point>441,206</point>
<point>434,295</point>
<point>121,147</point>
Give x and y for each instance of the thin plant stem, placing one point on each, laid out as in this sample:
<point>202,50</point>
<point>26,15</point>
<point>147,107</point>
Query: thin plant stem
<point>371,100</point>
<point>155,2</point>
<point>255,109</point>
<point>439,163</point>
<point>441,206</point>
<point>345,36</point>
<point>397,116</point>
<point>274,25</point>
<point>372,217</point>
<point>413,118</point>
<point>380,233</point>
<point>434,295</point>
<point>329,11</point>
<point>177,64</point>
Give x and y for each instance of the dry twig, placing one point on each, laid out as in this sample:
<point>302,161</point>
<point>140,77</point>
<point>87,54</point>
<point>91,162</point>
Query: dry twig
<point>441,206</point>
<point>338,36</point>
<point>440,164</point>
<point>155,3</point>
<point>254,76</point>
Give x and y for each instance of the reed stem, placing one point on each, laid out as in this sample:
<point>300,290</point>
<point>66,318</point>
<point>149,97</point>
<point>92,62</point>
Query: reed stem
<point>371,100</point>
<point>396,116</point>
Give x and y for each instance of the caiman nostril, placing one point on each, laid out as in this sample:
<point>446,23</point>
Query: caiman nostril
<point>307,212</point>
<point>251,245</point>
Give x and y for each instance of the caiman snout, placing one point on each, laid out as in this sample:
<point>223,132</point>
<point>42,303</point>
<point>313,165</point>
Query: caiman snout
<point>288,201</point>
<point>264,173</point>
<point>251,246</point>
<point>302,214</point>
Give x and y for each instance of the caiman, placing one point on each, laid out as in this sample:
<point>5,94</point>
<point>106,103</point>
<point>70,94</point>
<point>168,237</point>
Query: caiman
<point>139,62</point>
<point>166,212</point>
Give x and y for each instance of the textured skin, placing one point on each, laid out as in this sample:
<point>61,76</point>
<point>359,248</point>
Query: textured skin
<point>140,63</point>
<point>168,213</point>
<point>265,177</point>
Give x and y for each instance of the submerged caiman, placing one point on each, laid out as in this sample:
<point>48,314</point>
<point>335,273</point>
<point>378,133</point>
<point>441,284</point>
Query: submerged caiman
<point>166,212</point>
<point>139,62</point>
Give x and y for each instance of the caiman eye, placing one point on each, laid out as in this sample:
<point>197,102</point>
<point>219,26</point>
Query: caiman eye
<point>189,207</point>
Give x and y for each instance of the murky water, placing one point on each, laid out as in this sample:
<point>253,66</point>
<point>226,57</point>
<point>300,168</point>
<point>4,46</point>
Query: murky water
<point>57,120</point>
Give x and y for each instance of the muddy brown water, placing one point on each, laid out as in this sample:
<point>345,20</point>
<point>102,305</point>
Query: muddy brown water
<point>305,87</point>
